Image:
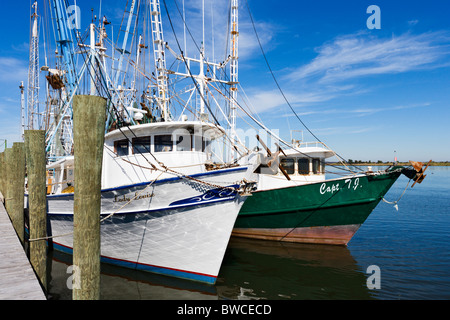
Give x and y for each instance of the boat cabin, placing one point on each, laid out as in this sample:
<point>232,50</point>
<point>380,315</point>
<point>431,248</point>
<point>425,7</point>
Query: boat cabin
<point>184,146</point>
<point>305,163</point>
<point>129,152</point>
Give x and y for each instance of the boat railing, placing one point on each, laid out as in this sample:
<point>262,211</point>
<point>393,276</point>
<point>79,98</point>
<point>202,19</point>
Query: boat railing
<point>311,144</point>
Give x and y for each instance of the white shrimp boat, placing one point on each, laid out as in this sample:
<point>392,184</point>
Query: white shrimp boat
<point>176,222</point>
<point>167,205</point>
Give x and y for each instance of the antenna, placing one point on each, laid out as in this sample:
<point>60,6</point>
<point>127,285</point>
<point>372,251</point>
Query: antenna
<point>234,65</point>
<point>33,72</point>
<point>22,106</point>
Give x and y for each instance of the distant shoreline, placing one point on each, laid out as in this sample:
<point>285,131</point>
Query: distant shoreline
<point>441,163</point>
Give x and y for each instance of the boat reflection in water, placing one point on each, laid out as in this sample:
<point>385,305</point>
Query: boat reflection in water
<point>251,270</point>
<point>126,284</point>
<point>258,269</point>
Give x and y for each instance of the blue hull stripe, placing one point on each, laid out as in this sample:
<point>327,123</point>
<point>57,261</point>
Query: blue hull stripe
<point>204,278</point>
<point>179,207</point>
<point>157,182</point>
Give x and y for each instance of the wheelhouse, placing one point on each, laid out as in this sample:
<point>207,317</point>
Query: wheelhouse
<point>131,152</point>
<point>302,166</point>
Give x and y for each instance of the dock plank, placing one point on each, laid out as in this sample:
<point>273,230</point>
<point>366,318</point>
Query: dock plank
<point>17,278</point>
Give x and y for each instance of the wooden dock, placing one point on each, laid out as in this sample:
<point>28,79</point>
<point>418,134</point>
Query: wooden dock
<point>17,278</point>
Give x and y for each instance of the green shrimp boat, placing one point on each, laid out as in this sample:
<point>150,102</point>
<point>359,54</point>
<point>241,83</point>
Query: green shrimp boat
<point>296,203</point>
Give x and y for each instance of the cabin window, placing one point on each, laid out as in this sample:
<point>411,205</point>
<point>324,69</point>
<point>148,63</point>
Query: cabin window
<point>316,166</point>
<point>141,145</point>
<point>198,143</point>
<point>183,143</point>
<point>163,143</point>
<point>121,148</point>
<point>288,165</point>
<point>303,166</point>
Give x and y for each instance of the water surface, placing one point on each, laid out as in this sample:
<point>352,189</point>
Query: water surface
<point>409,246</point>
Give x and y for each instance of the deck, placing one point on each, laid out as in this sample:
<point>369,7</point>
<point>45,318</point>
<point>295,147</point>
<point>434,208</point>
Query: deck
<point>17,278</point>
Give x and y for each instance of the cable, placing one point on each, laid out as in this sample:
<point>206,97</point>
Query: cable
<point>279,87</point>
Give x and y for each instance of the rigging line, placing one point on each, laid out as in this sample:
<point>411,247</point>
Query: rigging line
<point>238,140</point>
<point>103,85</point>
<point>271,133</point>
<point>167,169</point>
<point>116,113</point>
<point>114,109</point>
<point>210,67</point>
<point>187,67</point>
<point>278,85</point>
<point>309,215</point>
<point>225,89</point>
<point>273,75</point>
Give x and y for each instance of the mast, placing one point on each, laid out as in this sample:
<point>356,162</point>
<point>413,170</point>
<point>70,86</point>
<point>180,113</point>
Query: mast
<point>22,107</point>
<point>234,65</point>
<point>60,141</point>
<point>92,59</point>
<point>33,73</point>
<point>201,76</point>
<point>123,50</point>
<point>65,45</point>
<point>160,60</point>
<point>120,94</point>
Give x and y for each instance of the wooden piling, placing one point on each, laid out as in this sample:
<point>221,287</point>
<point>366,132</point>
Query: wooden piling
<point>16,188</point>
<point>2,175</point>
<point>37,201</point>
<point>89,114</point>
<point>6,181</point>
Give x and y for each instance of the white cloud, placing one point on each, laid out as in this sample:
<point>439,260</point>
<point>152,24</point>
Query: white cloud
<point>341,63</point>
<point>359,55</point>
<point>266,100</point>
<point>331,131</point>
<point>13,70</point>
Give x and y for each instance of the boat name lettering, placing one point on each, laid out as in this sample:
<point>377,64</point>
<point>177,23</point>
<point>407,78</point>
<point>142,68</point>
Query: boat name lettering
<point>330,189</point>
<point>336,187</point>
<point>136,197</point>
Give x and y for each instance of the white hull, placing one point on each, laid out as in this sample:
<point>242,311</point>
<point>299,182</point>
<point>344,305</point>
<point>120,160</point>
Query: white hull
<point>177,227</point>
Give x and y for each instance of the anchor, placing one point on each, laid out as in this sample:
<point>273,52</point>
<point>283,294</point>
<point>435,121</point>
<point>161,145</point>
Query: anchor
<point>272,159</point>
<point>417,173</point>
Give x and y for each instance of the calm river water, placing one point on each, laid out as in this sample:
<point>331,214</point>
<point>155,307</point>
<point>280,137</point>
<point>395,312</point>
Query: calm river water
<point>409,248</point>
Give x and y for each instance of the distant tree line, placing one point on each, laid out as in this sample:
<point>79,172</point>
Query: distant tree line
<point>380,162</point>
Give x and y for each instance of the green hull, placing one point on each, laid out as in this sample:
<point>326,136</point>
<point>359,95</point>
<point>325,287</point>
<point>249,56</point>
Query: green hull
<point>327,212</point>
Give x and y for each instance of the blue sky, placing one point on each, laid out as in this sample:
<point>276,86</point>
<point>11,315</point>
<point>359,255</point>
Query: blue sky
<point>364,92</point>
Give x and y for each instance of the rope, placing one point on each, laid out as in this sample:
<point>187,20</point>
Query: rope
<point>102,220</point>
<point>178,174</point>
<point>138,194</point>
<point>395,202</point>
<point>52,237</point>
